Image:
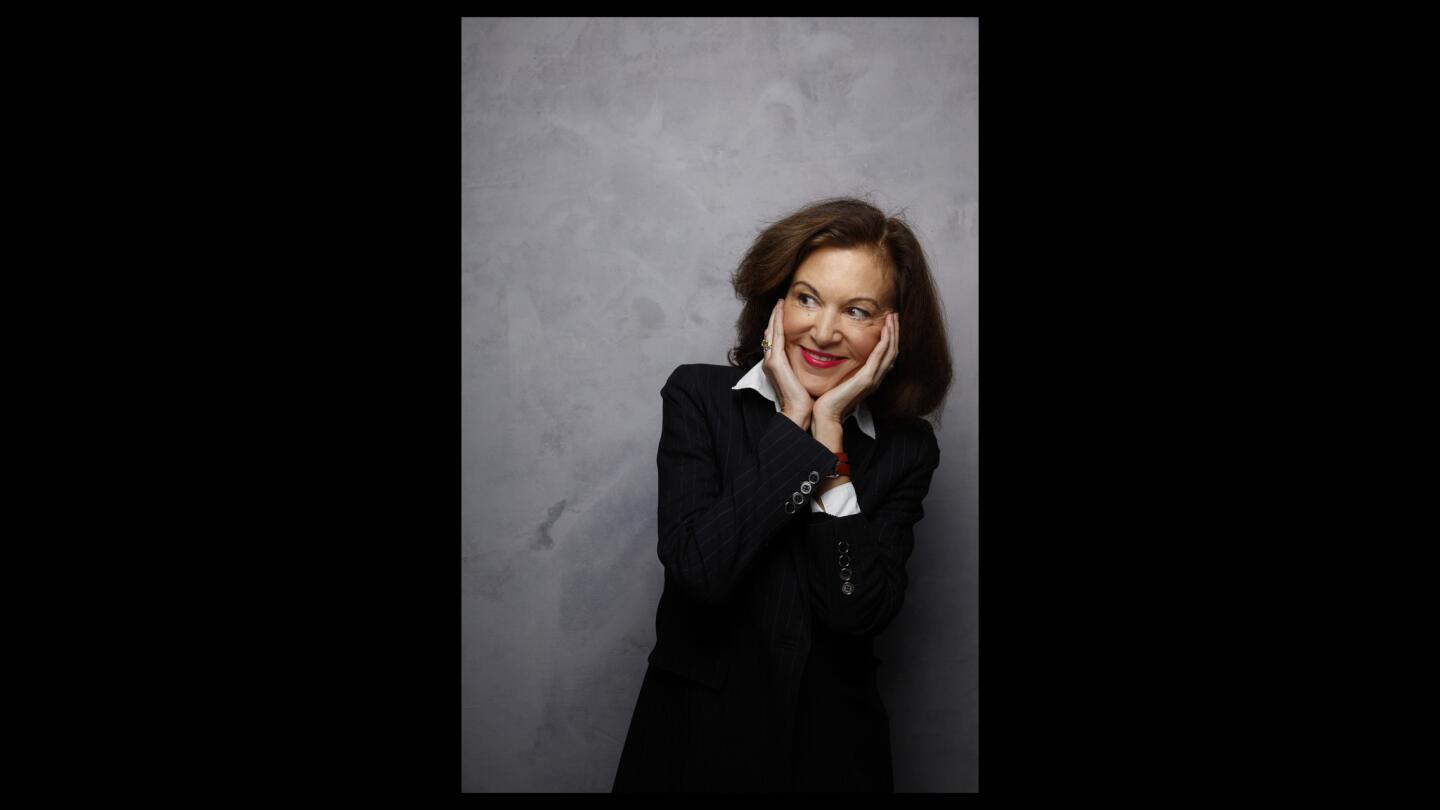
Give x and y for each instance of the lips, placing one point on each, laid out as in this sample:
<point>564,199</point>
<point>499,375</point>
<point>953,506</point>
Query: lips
<point>818,360</point>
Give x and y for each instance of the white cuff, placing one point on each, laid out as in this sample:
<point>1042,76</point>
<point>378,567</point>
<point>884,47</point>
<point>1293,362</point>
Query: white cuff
<point>839,501</point>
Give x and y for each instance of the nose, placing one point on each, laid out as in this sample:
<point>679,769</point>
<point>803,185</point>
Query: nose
<point>826,330</point>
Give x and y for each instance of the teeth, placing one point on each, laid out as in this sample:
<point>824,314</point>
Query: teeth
<point>822,356</point>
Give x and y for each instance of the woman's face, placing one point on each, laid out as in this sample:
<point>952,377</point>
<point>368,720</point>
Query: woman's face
<point>836,304</point>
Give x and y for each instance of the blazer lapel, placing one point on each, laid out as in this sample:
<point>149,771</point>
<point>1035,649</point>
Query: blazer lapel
<point>755,409</point>
<point>861,450</point>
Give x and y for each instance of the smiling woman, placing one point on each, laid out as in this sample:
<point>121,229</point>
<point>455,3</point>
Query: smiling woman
<point>842,265</point>
<point>762,678</point>
<point>830,341</point>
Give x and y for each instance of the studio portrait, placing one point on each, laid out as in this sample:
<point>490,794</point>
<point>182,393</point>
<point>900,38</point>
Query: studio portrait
<point>719,405</point>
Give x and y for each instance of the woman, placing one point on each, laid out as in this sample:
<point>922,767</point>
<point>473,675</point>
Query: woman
<point>790,481</point>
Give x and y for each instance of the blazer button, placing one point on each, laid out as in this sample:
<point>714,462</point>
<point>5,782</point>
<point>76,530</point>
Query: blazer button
<point>842,547</point>
<point>844,560</point>
<point>789,508</point>
<point>814,477</point>
<point>847,588</point>
<point>806,486</point>
<point>845,574</point>
<point>797,498</point>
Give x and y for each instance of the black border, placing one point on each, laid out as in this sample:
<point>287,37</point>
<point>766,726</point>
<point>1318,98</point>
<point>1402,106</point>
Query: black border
<point>1106,650</point>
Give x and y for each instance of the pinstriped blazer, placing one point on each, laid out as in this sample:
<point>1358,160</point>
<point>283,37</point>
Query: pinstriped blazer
<point>748,583</point>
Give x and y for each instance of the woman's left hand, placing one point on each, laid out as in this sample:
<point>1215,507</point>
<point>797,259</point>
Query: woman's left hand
<point>836,403</point>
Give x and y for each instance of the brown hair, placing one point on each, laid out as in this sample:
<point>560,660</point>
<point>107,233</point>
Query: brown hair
<point>918,383</point>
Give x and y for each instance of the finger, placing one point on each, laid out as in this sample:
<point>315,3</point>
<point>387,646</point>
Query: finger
<point>771,357</point>
<point>892,346</point>
<point>883,344</point>
<point>882,353</point>
<point>875,364</point>
<point>783,346</point>
<point>887,356</point>
<point>786,382</point>
<point>777,336</point>
<point>770,331</point>
<point>777,340</point>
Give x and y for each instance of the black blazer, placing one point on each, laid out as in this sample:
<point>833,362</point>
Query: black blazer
<point>753,591</point>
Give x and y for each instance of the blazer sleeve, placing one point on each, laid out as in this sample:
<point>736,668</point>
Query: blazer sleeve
<point>871,548</point>
<point>711,529</point>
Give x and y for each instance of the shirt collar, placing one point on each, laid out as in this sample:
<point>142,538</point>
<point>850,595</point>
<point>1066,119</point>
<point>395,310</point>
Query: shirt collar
<point>756,380</point>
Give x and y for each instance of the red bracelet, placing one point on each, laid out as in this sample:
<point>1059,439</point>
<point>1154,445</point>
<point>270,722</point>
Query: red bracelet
<point>842,466</point>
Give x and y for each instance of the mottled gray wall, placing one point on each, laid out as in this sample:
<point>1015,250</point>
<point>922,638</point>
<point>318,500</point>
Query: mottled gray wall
<point>613,171</point>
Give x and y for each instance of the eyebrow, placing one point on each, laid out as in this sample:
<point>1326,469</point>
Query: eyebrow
<point>851,301</point>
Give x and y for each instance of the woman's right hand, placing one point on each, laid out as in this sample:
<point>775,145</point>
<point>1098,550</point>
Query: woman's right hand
<point>795,401</point>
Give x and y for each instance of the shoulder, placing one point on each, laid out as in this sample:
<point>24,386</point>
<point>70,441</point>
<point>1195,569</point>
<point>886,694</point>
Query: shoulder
<point>914,438</point>
<point>703,380</point>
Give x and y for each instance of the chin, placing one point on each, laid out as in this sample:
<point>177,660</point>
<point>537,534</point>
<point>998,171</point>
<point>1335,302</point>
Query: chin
<point>816,389</point>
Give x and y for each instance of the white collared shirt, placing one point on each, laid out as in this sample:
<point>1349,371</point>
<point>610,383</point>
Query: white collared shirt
<point>841,499</point>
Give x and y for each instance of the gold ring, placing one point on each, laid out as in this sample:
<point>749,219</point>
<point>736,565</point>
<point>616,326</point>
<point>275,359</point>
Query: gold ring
<point>765,344</point>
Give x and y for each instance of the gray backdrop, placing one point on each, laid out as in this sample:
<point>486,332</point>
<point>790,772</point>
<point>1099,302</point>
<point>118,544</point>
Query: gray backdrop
<point>613,172</point>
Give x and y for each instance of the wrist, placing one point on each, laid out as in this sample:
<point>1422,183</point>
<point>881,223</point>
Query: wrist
<point>827,484</point>
<point>822,415</point>
<point>830,434</point>
<point>803,419</point>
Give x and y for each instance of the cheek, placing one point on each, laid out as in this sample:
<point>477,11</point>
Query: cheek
<point>864,346</point>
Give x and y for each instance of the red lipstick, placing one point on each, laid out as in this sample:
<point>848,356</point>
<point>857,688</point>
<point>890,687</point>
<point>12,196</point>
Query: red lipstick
<point>817,362</point>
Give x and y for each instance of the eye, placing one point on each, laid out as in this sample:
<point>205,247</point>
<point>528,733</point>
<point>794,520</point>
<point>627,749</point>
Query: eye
<point>864,314</point>
<point>801,298</point>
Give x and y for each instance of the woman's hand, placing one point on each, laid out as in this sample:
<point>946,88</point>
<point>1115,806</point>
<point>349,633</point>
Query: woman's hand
<point>833,405</point>
<point>795,401</point>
